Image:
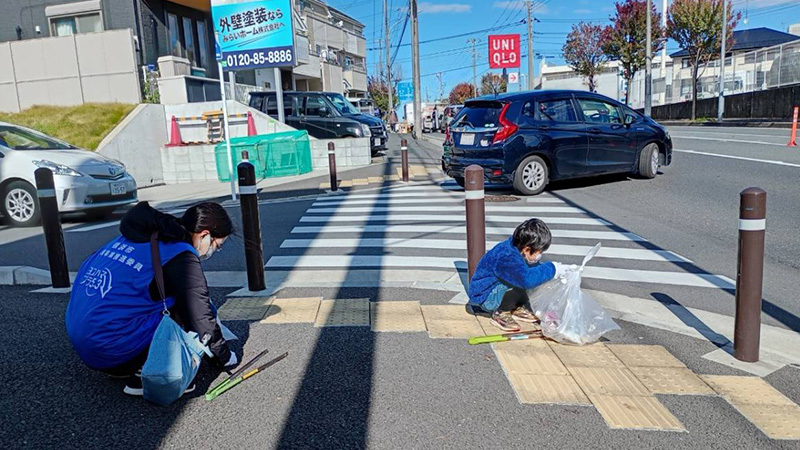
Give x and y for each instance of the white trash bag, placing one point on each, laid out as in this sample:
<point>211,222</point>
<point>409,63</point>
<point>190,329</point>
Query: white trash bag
<point>568,314</point>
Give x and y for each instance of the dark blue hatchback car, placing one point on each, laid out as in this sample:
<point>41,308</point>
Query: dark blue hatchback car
<point>528,139</point>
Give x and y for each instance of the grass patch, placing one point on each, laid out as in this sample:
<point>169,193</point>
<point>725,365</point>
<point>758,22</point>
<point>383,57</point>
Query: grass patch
<point>83,126</point>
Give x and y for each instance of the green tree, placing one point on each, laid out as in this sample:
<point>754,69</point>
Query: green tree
<point>492,84</point>
<point>626,38</point>
<point>461,93</point>
<point>696,25</point>
<point>583,52</point>
<point>379,92</point>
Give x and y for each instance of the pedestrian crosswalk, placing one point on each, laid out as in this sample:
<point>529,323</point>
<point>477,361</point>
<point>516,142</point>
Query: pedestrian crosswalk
<point>421,228</point>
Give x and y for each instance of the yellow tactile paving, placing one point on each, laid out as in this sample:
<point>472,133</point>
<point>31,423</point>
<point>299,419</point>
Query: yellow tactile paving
<point>396,316</point>
<point>324,186</point>
<point>417,171</point>
<point>555,389</point>
<point>608,381</point>
<point>777,422</point>
<point>746,390</point>
<point>671,380</point>
<point>595,355</point>
<point>400,173</point>
<point>343,313</point>
<point>245,308</point>
<point>360,181</point>
<point>531,356</point>
<point>434,170</point>
<point>450,321</point>
<point>490,330</point>
<point>292,310</point>
<point>375,179</point>
<point>346,183</point>
<point>635,412</point>
<point>645,356</point>
<point>391,177</point>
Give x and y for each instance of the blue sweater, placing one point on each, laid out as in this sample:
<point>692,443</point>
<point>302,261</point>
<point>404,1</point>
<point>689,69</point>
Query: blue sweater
<point>505,264</point>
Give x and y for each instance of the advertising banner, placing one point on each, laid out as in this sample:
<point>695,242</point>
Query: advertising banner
<point>254,34</point>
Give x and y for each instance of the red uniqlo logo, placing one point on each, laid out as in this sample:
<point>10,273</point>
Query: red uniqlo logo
<point>503,51</point>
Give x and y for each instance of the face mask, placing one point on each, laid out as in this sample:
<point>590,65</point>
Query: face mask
<point>537,259</point>
<point>210,250</point>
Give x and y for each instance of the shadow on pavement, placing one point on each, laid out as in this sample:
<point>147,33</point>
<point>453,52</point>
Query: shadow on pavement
<point>693,321</point>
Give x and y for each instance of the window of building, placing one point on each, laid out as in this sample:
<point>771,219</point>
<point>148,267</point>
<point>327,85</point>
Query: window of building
<point>69,25</point>
<point>202,45</point>
<point>188,39</point>
<point>174,35</point>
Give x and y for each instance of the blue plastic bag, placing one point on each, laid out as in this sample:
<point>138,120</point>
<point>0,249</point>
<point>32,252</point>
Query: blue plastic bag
<point>172,362</point>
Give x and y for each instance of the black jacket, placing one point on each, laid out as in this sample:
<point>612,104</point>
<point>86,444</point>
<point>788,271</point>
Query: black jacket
<point>183,276</point>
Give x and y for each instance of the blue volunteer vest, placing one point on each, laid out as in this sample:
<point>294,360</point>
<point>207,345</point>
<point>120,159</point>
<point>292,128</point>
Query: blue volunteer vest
<point>111,317</point>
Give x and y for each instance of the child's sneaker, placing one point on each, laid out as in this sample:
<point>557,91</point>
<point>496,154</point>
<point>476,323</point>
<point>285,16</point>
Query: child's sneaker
<point>505,321</point>
<point>523,314</point>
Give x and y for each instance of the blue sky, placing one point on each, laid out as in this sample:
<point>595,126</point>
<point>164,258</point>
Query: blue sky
<point>453,57</point>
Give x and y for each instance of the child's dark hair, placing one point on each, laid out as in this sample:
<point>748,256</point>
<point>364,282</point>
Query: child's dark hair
<point>208,216</point>
<point>534,234</point>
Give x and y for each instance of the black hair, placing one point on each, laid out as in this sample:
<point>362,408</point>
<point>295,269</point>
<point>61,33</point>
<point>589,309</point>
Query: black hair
<point>208,216</point>
<point>534,234</point>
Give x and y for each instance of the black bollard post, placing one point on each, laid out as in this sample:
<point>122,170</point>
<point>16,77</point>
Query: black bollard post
<point>51,225</point>
<point>251,225</point>
<point>332,166</point>
<point>750,273</point>
<point>404,156</point>
<point>476,216</point>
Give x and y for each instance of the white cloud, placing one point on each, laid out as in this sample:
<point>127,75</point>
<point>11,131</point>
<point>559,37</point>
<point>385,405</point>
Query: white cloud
<point>579,11</point>
<point>435,8</point>
<point>538,7</point>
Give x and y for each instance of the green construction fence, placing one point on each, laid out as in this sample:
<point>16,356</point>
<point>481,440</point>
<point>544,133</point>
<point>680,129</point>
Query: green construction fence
<point>272,155</point>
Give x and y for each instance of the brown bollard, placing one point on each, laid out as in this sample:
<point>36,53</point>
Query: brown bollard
<point>251,224</point>
<point>404,156</point>
<point>51,226</point>
<point>476,216</point>
<point>750,273</point>
<point>332,166</point>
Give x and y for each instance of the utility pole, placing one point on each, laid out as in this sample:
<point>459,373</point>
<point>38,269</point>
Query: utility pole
<point>441,85</point>
<point>415,67</point>
<point>648,69</point>
<point>664,48</point>
<point>721,105</point>
<point>530,45</point>
<point>474,67</point>
<point>390,107</point>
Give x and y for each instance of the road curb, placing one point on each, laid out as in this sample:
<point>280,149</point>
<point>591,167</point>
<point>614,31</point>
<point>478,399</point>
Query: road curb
<point>23,275</point>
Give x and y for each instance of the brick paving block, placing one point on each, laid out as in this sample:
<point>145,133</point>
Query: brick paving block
<point>635,412</point>
<point>671,380</point>
<point>343,313</point>
<point>396,316</point>
<point>595,355</point>
<point>777,422</point>
<point>292,310</point>
<point>450,321</point>
<point>550,389</point>
<point>245,308</point>
<point>608,381</point>
<point>645,356</point>
<point>746,390</point>
<point>530,356</point>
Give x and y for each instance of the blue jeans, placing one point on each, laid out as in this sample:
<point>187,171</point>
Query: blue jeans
<point>504,298</point>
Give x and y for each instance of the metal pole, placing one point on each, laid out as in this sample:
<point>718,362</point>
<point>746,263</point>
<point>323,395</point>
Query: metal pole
<point>476,216</point>
<point>530,45</point>
<point>721,103</point>
<point>404,156</point>
<point>390,104</point>
<point>232,83</point>
<point>251,224</point>
<point>664,48</point>
<point>225,128</point>
<point>51,226</point>
<point>750,273</point>
<point>474,69</point>
<point>415,67</point>
<point>279,93</point>
<point>332,166</point>
<point>648,64</point>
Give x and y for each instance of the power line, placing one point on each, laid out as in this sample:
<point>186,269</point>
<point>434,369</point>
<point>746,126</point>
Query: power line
<point>469,33</point>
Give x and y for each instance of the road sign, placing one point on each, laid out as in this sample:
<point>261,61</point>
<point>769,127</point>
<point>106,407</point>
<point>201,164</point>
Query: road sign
<point>513,77</point>
<point>254,34</point>
<point>405,91</point>
<point>504,51</point>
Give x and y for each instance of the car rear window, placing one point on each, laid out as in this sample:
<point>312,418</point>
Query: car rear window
<point>256,101</point>
<point>479,115</point>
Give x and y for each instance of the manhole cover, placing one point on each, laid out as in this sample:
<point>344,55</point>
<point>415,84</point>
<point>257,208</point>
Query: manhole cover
<point>501,198</point>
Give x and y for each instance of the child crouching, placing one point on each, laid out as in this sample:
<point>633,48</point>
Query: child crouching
<point>507,271</point>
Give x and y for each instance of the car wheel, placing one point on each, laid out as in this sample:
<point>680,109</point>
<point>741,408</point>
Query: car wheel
<point>460,181</point>
<point>21,205</point>
<point>648,161</point>
<point>531,176</point>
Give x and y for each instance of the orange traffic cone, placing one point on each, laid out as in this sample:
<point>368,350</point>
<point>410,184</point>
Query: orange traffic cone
<point>793,138</point>
<point>174,134</point>
<point>251,125</point>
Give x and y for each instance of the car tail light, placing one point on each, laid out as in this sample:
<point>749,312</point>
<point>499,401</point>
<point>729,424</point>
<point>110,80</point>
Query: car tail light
<point>497,173</point>
<point>508,127</point>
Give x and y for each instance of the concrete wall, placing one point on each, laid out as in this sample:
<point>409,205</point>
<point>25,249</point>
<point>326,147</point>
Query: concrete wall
<point>69,70</point>
<point>333,77</point>
<point>136,142</point>
<point>189,164</point>
<point>349,152</point>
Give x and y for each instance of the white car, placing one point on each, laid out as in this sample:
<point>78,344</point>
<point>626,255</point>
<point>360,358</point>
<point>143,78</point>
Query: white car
<point>84,181</point>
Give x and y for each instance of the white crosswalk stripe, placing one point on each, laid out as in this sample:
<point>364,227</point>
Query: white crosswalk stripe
<point>421,228</point>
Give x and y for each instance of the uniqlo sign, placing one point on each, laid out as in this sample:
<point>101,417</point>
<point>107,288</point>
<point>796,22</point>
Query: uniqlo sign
<point>503,51</point>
